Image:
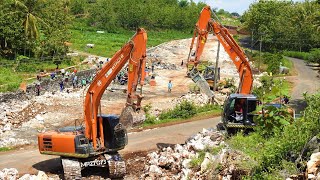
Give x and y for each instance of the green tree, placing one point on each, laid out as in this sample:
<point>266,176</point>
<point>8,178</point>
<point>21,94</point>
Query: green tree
<point>270,22</point>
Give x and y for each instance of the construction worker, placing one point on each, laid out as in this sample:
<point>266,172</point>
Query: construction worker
<point>38,87</point>
<point>169,86</point>
<point>61,83</point>
<point>83,82</point>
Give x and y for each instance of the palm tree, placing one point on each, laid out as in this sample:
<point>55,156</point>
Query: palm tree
<point>30,22</point>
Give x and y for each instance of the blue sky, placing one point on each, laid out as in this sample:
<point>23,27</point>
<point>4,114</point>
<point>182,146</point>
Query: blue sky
<point>238,6</point>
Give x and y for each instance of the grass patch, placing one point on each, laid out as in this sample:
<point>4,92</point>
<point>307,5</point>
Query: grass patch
<point>3,149</point>
<point>106,44</point>
<point>171,116</point>
<point>13,72</point>
<point>209,114</point>
<point>9,80</point>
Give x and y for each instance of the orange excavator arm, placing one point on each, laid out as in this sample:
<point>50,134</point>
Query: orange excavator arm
<point>204,25</point>
<point>237,56</point>
<point>135,52</point>
<point>201,33</point>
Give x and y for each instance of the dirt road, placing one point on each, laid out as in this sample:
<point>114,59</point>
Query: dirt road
<point>305,81</point>
<point>30,161</point>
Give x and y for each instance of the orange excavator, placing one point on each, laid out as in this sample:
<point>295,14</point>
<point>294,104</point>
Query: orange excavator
<point>97,143</point>
<point>243,97</point>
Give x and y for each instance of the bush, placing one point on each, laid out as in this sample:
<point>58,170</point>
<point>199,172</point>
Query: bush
<point>315,55</point>
<point>312,56</point>
<point>297,54</point>
<point>273,120</point>
<point>273,61</point>
<point>184,110</point>
<point>208,107</point>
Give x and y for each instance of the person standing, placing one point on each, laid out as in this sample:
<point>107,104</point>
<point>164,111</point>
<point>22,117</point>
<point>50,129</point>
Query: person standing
<point>170,86</point>
<point>38,89</point>
<point>75,81</point>
<point>83,82</point>
<point>63,72</point>
<point>152,67</point>
<point>53,75</point>
<point>61,85</point>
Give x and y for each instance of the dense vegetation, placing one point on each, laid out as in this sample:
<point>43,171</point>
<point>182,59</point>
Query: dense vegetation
<point>285,25</point>
<point>41,28</point>
<point>33,28</point>
<point>276,153</point>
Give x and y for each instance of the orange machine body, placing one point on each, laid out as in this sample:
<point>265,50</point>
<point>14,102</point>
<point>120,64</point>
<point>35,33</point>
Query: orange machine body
<point>102,133</point>
<point>57,143</point>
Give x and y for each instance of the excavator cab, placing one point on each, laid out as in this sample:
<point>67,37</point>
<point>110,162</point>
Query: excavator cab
<point>239,111</point>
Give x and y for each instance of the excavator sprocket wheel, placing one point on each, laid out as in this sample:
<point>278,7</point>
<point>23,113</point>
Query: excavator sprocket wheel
<point>129,118</point>
<point>71,169</point>
<point>117,166</point>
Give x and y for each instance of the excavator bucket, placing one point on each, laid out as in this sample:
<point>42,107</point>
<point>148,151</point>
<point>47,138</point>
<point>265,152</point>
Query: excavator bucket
<point>130,118</point>
<point>201,83</point>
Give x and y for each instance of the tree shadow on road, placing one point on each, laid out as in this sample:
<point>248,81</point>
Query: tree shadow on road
<point>54,166</point>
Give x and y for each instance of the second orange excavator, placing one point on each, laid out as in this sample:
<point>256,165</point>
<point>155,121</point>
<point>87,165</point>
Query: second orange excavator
<point>238,107</point>
<point>98,142</point>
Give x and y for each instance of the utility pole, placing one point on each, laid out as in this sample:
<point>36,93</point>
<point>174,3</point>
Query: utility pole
<point>260,53</point>
<point>216,69</point>
<point>251,40</point>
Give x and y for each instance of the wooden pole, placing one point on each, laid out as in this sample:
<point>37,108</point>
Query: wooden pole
<point>216,70</point>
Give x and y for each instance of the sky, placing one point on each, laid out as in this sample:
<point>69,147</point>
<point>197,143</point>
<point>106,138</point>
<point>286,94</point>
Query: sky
<point>238,6</point>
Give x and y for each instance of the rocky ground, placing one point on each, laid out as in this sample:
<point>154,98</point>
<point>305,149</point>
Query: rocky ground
<point>203,156</point>
<point>21,120</point>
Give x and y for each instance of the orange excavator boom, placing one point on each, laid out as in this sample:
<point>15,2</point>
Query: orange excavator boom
<point>204,26</point>
<point>134,52</point>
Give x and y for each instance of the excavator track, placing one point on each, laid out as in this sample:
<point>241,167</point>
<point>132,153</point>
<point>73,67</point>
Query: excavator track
<point>71,168</point>
<point>117,166</point>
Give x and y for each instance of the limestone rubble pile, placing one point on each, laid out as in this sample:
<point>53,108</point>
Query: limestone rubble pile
<point>198,99</point>
<point>13,174</point>
<point>178,50</point>
<point>10,113</point>
<point>175,162</point>
<point>11,142</point>
<point>313,166</point>
<point>14,114</point>
<point>18,116</point>
<point>160,64</point>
